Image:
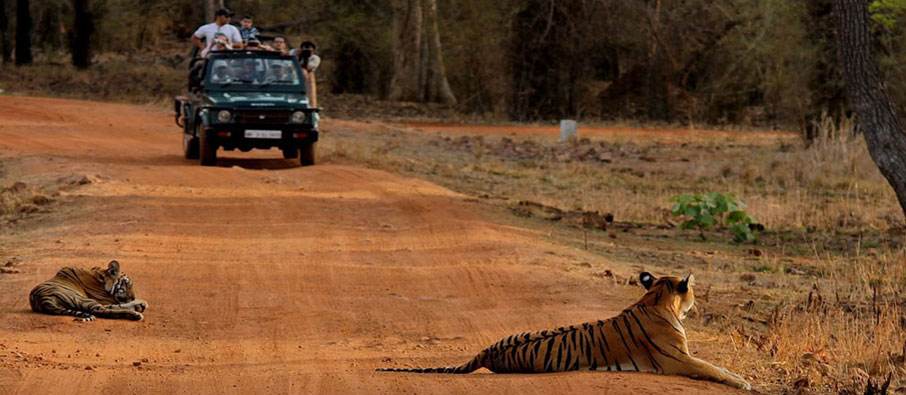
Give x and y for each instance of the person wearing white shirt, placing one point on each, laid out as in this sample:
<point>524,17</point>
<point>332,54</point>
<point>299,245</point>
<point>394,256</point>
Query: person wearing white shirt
<point>221,25</point>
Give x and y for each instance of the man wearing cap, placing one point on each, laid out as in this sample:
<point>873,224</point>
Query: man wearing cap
<point>222,25</point>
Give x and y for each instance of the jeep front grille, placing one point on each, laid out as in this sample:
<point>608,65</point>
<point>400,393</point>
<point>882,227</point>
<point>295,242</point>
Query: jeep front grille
<point>263,117</point>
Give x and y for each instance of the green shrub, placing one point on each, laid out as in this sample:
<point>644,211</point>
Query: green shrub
<point>713,209</point>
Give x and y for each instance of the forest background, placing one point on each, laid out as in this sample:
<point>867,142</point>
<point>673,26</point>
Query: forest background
<point>770,63</point>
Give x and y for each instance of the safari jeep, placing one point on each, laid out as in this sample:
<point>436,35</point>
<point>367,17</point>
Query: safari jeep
<point>243,100</point>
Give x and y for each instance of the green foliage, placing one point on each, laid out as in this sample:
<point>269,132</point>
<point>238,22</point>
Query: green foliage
<point>714,209</point>
<point>885,12</point>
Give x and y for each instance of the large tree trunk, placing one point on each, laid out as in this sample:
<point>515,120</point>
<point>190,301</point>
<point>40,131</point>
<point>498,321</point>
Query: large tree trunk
<point>4,34</point>
<point>656,71</point>
<point>867,93</point>
<point>438,88</point>
<point>418,62</point>
<point>210,7</point>
<point>407,38</point>
<point>824,81</point>
<point>23,32</point>
<point>209,10</point>
<point>83,27</point>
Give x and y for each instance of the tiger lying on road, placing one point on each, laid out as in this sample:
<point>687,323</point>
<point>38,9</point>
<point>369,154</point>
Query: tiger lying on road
<point>649,336</point>
<point>88,293</point>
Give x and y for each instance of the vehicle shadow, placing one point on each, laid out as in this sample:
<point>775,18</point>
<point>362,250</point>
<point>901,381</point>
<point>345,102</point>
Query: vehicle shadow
<point>258,163</point>
<point>179,161</point>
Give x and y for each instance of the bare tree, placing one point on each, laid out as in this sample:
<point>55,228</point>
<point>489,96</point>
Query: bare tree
<point>83,24</point>
<point>418,70</point>
<point>23,32</point>
<point>407,33</point>
<point>4,33</point>
<point>210,7</point>
<point>436,88</point>
<point>866,91</point>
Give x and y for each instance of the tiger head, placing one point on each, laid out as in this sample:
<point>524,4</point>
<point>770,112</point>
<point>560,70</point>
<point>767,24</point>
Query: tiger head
<point>672,292</point>
<point>116,283</point>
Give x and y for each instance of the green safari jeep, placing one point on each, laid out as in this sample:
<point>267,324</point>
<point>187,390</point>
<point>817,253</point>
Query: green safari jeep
<point>243,100</point>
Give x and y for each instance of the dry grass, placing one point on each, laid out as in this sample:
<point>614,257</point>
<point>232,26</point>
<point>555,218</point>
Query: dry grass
<point>139,80</point>
<point>819,308</point>
<point>832,185</point>
<point>21,199</point>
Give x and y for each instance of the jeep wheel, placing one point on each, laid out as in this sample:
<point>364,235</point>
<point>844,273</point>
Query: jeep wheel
<point>307,154</point>
<point>207,149</point>
<point>290,152</point>
<point>189,146</point>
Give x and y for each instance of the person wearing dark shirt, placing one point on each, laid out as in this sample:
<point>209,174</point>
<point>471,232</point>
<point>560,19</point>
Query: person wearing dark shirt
<point>246,30</point>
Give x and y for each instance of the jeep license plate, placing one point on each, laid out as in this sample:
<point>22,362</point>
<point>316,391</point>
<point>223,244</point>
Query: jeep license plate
<point>263,134</point>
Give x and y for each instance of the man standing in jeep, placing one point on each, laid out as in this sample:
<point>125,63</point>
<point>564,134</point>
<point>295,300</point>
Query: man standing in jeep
<point>222,25</point>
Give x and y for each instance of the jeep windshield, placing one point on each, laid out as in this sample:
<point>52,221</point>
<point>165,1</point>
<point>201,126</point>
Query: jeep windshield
<point>255,73</point>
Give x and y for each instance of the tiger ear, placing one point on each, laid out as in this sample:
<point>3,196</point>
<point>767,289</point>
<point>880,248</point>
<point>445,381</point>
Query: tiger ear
<point>113,268</point>
<point>647,280</point>
<point>687,284</point>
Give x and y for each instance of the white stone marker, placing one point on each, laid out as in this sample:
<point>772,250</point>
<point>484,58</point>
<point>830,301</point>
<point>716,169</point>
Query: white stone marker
<point>568,129</point>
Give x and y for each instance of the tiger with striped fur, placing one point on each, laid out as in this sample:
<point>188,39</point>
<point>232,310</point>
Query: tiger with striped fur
<point>649,336</point>
<point>88,293</point>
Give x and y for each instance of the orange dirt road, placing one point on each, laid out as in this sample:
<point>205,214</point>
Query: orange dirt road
<point>265,277</point>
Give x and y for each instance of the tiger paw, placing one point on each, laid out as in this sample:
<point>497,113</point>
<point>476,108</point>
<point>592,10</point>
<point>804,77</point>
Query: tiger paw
<point>141,306</point>
<point>742,384</point>
<point>136,316</point>
<point>85,318</point>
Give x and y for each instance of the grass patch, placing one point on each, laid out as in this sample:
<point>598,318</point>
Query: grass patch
<point>814,306</point>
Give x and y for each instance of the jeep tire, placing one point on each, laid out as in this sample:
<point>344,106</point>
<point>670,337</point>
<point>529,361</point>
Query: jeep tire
<point>290,152</point>
<point>189,146</point>
<point>307,154</point>
<point>207,149</point>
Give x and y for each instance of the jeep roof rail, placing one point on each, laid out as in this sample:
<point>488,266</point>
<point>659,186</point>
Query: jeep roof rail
<point>244,53</point>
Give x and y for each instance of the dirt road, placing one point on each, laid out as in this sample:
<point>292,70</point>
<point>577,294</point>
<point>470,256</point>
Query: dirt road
<point>266,277</point>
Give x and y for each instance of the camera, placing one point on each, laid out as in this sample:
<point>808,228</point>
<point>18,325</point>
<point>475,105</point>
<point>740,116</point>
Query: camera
<point>253,44</point>
<point>304,55</point>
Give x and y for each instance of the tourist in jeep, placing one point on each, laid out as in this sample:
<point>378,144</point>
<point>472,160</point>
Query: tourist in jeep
<point>221,74</point>
<point>220,43</point>
<point>221,25</point>
<point>279,45</point>
<point>253,44</point>
<point>246,30</point>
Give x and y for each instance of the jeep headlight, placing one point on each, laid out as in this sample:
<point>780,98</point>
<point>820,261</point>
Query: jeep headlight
<point>297,117</point>
<point>224,116</point>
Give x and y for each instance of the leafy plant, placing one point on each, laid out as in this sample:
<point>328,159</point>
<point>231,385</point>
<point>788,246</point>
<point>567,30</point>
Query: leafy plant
<point>885,12</point>
<point>714,209</point>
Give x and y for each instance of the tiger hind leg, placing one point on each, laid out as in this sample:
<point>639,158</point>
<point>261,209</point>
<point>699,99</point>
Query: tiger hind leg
<point>83,309</point>
<point>54,306</point>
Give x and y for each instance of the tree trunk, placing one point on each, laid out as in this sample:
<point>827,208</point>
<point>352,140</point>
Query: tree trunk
<point>824,81</point>
<point>23,32</point>
<point>438,87</point>
<point>4,33</point>
<point>656,70</point>
<point>83,27</point>
<point>407,23</point>
<point>210,7</point>
<point>867,93</point>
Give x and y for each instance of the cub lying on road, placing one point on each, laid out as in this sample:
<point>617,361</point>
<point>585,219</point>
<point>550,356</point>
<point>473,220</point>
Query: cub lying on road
<point>649,336</point>
<point>88,293</point>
